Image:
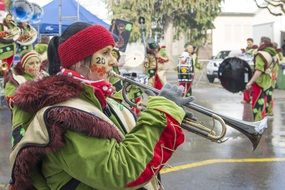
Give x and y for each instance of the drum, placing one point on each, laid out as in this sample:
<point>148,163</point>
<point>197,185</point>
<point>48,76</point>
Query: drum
<point>185,71</point>
<point>234,73</point>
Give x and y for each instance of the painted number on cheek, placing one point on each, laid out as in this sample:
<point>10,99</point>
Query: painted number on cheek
<point>100,60</point>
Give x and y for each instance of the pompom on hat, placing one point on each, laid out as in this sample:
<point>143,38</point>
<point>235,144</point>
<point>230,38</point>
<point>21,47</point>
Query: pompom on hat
<point>25,57</point>
<point>84,44</point>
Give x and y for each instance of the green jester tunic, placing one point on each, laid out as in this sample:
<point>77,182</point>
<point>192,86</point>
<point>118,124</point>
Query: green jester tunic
<point>98,160</point>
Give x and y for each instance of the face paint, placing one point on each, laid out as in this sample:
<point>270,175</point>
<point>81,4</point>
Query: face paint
<point>32,66</point>
<point>31,70</point>
<point>101,63</point>
<point>101,71</point>
<point>100,60</point>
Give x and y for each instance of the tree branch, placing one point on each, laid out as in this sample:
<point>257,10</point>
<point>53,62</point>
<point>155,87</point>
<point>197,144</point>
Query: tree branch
<point>280,4</point>
<point>266,7</point>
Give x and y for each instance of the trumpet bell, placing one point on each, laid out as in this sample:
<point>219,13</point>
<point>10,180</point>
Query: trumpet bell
<point>4,67</point>
<point>22,10</point>
<point>37,14</point>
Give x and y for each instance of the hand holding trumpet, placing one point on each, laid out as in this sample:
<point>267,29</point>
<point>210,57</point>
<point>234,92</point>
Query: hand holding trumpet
<point>175,94</point>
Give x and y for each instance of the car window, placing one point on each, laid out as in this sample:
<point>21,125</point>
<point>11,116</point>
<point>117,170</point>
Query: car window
<point>222,54</point>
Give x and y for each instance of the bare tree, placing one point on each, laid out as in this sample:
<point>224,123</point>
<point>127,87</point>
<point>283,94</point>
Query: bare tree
<point>275,7</point>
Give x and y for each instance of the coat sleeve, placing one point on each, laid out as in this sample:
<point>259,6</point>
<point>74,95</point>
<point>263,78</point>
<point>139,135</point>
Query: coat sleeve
<point>259,63</point>
<point>108,164</point>
<point>9,89</point>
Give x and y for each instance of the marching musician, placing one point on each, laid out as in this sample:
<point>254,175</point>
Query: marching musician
<point>261,81</point>
<point>27,69</point>
<point>274,77</point>
<point>26,34</point>
<point>154,62</point>
<point>162,59</point>
<point>186,68</point>
<point>76,137</point>
<point>8,29</point>
<point>250,49</point>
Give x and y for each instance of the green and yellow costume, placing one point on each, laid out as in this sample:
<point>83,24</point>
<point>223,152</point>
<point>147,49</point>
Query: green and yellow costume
<point>72,138</point>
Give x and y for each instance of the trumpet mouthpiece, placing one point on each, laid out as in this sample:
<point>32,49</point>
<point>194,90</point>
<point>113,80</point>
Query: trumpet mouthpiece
<point>112,73</point>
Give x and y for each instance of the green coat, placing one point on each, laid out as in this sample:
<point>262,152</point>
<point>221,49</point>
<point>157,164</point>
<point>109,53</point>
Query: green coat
<point>9,91</point>
<point>265,62</point>
<point>106,164</point>
<point>10,88</point>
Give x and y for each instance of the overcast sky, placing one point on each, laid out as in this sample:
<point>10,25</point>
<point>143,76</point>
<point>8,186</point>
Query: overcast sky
<point>97,7</point>
<point>243,6</point>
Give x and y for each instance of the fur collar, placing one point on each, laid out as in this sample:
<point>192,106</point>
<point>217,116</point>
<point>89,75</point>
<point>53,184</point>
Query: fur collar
<point>34,95</point>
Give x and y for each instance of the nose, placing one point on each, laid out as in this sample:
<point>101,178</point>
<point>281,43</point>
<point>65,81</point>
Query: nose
<point>113,61</point>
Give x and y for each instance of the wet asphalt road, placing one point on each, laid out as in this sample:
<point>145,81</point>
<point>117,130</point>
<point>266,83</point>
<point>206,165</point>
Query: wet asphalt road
<point>203,165</point>
<point>200,164</point>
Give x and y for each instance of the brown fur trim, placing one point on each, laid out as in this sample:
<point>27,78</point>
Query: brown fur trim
<point>34,95</point>
<point>83,122</point>
<point>59,119</point>
<point>29,156</point>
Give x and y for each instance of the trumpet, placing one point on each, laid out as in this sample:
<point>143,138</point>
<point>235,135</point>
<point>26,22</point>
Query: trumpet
<point>4,67</point>
<point>252,130</point>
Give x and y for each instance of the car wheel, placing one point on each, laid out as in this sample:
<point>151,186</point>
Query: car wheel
<point>210,78</point>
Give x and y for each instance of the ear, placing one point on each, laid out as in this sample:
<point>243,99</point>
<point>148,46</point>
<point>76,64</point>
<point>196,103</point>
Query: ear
<point>77,65</point>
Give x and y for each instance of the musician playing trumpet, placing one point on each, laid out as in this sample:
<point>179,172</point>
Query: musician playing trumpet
<point>86,136</point>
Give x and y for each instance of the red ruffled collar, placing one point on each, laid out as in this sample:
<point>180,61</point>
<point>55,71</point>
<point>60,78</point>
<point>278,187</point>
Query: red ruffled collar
<point>102,88</point>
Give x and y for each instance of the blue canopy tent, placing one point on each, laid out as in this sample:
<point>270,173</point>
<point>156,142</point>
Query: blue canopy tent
<point>69,12</point>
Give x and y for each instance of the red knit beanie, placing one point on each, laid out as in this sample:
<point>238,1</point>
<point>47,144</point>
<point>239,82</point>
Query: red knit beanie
<point>84,44</point>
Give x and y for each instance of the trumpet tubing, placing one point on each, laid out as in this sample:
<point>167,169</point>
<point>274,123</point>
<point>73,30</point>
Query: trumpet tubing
<point>252,130</point>
<point>209,133</point>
